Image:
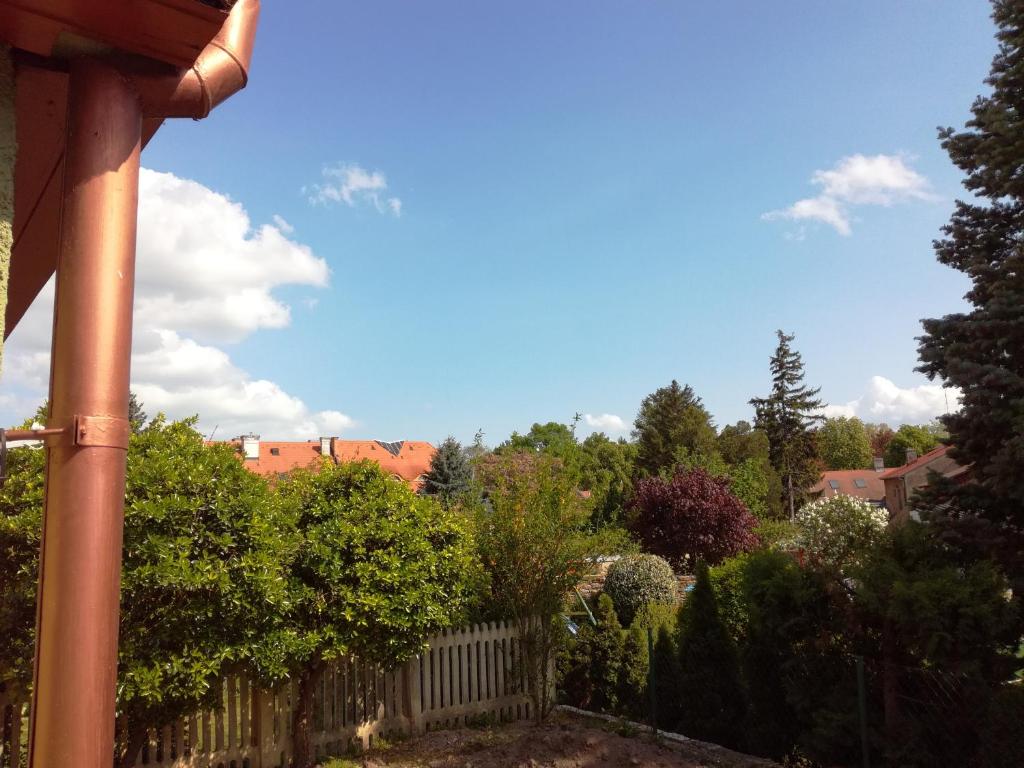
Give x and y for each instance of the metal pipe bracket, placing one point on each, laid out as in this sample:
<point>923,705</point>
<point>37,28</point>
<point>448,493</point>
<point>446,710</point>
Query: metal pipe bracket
<point>102,432</point>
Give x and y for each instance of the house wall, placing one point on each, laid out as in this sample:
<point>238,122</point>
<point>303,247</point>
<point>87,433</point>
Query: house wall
<point>8,152</point>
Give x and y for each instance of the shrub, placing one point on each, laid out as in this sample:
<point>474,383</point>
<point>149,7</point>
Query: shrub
<point>666,680</point>
<point>727,581</point>
<point>575,656</point>
<point>633,701</point>
<point>710,690</point>
<point>837,530</point>
<point>606,656</point>
<point>656,616</point>
<point>1002,736</point>
<point>636,580</point>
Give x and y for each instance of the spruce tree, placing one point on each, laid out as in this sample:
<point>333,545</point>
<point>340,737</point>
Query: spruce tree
<point>450,475</point>
<point>981,351</point>
<point>671,420</point>
<point>710,689</point>
<point>786,416</point>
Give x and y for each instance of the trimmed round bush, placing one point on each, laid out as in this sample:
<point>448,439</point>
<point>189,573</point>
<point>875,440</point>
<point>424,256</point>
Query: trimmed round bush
<point>636,580</point>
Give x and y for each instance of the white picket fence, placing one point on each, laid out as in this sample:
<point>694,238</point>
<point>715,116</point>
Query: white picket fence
<point>462,675</point>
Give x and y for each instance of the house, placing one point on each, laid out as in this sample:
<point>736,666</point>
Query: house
<point>406,460</point>
<point>863,484</point>
<point>902,482</point>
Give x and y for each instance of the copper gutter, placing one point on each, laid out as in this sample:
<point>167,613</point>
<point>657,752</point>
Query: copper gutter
<point>220,71</point>
<point>75,676</point>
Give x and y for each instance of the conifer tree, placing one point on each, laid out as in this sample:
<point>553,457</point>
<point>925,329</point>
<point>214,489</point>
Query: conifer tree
<point>981,351</point>
<point>671,419</point>
<point>450,475</point>
<point>786,416</point>
<point>606,656</point>
<point>666,680</point>
<point>710,690</point>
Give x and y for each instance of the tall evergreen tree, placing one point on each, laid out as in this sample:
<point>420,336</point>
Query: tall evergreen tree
<point>671,419</point>
<point>981,351</point>
<point>450,475</point>
<point>786,416</point>
<point>710,688</point>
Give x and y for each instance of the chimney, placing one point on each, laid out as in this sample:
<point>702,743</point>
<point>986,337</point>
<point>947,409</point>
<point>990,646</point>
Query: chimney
<point>879,464</point>
<point>325,447</point>
<point>911,455</point>
<point>251,446</point>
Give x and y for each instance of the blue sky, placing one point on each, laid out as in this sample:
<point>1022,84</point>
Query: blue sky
<point>582,188</point>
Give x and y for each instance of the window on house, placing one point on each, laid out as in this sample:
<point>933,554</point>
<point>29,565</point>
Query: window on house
<point>275,451</point>
<point>834,485</point>
<point>860,483</point>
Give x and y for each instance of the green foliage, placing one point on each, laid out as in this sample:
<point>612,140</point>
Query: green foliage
<point>21,512</point>
<point>606,470</point>
<point>634,581</point>
<point>978,351</point>
<point>837,530</point>
<point>633,693</point>
<point>843,444</point>
<point>727,580</point>
<point>535,542</point>
<point>756,483</point>
<point>367,551</point>
<point>879,437</point>
<point>1002,734</point>
<point>910,437</point>
<point>710,689</point>
<point>450,476</point>
<point>552,438</point>
<point>573,668</point>
<point>656,616</point>
<point>670,419</point>
<point>777,534</point>
<point>666,680</point>
<point>786,417</point>
<point>606,656</point>
<point>940,613</point>
<point>201,576</point>
<point>374,570</point>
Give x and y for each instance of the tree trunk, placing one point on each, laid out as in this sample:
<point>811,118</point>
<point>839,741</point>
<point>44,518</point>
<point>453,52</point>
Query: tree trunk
<point>136,741</point>
<point>789,482</point>
<point>302,726</point>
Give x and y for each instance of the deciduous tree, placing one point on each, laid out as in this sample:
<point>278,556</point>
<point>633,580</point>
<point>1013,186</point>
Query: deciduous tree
<point>690,516</point>
<point>375,570</point>
<point>909,437</point>
<point>535,543</point>
<point>843,443</point>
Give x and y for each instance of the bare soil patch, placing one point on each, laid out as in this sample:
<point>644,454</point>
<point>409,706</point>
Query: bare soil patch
<point>566,742</point>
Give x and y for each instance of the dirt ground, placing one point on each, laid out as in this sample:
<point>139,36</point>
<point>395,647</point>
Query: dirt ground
<point>566,742</point>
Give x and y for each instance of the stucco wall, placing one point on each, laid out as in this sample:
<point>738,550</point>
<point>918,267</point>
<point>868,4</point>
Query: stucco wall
<point>8,150</point>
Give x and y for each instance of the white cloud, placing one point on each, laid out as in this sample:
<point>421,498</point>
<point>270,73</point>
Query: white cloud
<point>855,181</point>
<point>607,422</point>
<point>204,270</point>
<point>884,401</point>
<point>352,185</point>
<point>204,274</point>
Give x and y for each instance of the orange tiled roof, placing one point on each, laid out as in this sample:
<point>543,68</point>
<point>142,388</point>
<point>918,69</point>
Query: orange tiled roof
<point>917,463</point>
<point>846,480</point>
<point>406,460</point>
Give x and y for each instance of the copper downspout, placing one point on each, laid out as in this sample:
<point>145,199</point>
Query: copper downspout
<point>80,563</point>
<point>73,696</point>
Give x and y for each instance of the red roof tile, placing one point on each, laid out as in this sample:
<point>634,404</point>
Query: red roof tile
<point>917,463</point>
<point>845,481</point>
<point>408,462</point>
